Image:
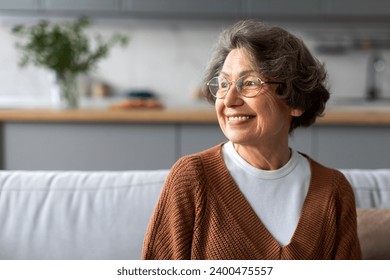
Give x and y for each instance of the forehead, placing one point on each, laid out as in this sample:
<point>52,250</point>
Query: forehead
<point>237,63</point>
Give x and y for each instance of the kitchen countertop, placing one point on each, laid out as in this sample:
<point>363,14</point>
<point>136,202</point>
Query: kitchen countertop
<point>190,115</point>
<point>334,116</point>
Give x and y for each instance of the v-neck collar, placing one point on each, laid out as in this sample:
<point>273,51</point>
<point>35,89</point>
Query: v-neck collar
<point>238,206</point>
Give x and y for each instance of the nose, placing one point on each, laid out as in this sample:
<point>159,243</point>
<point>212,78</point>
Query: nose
<point>232,97</point>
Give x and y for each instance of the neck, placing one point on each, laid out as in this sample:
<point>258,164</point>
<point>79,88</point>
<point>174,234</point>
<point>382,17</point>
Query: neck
<point>265,158</point>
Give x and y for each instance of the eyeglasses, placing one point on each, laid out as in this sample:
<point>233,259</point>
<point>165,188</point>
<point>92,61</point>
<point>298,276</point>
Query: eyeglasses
<point>248,86</point>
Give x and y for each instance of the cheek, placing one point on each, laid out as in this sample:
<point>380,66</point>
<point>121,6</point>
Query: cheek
<point>265,110</point>
<point>270,105</point>
<point>273,114</point>
<point>219,111</point>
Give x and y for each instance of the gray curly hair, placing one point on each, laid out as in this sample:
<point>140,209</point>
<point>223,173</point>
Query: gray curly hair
<point>279,56</point>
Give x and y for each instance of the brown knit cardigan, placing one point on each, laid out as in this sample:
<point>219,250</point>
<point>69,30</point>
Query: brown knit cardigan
<point>202,214</point>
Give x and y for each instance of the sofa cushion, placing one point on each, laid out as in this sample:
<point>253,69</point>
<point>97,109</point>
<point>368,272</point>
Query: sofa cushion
<point>76,215</point>
<point>374,230</point>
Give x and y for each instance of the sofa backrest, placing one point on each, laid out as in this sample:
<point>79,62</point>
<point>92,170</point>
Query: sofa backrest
<point>371,187</point>
<point>76,215</point>
<point>104,215</point>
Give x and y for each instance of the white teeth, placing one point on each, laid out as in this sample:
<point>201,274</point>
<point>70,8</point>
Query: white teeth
<point>239,118</point>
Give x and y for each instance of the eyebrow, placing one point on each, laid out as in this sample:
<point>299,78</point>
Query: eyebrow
<point>242,73</point>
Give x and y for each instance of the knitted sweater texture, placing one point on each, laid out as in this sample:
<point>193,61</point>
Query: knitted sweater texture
<point>201,214</point>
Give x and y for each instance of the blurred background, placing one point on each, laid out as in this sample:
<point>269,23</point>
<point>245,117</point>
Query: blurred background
<point>170,43</point>
<point>171,40</point>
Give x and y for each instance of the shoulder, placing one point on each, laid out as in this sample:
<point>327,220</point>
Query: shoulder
<point>322,171</point>
<point>192,169</point>
<point>330,178</point>
<point>195,163</point>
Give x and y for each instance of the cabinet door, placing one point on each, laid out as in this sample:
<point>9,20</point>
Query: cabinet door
<point>354,147</point>
<point>78,146</point>
<point>357,7</point>
<point>303,140</point>
<point>197,137</point>
<point>83,5</point>
<point>180,8</point>
<point>281,7</point>
<point>19,5</point>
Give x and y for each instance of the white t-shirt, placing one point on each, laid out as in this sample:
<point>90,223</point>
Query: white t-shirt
<point>276,196</point>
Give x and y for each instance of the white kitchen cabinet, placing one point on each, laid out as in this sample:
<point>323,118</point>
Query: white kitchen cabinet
<point>81,5</point>
<point>183,8</point>
<point>205,9</point>
<point>356,7</point>
<point>21,5</point>
<point>281,7</point>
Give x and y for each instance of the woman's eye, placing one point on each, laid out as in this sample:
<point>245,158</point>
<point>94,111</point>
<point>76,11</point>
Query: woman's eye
<point>223,84</point>
<point>250,83</point>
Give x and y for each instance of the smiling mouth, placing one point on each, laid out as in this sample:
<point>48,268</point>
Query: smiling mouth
<point>239,118</point>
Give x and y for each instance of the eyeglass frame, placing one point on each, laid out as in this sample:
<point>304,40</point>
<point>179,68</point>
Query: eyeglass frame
<point>238,90</point>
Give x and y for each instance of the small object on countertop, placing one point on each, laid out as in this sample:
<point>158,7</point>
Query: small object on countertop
<point>141,99</point>
<point>141,95</point>
<point>137,103</point>
<point>100,90</point>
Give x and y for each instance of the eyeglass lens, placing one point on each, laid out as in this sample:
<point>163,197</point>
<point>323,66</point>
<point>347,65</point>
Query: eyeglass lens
<point>248,86</point>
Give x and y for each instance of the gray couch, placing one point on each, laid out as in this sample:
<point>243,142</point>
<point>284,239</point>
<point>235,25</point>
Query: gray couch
<point>103,215</point>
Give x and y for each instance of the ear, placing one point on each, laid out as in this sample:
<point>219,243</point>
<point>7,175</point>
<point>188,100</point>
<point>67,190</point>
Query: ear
<point>296,112</point>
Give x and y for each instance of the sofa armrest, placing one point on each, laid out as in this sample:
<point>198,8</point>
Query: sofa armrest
<point>374,232</point>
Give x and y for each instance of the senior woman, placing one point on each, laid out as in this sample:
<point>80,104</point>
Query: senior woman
<point>254,197</point>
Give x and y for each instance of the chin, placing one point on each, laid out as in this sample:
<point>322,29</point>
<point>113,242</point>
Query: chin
<point>237,139</point>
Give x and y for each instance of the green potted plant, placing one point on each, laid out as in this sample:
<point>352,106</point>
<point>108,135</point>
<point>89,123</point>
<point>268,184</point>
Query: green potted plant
<point>65,50</point>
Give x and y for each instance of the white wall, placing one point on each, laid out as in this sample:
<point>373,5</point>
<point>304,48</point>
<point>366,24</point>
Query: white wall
<point>167,58</point>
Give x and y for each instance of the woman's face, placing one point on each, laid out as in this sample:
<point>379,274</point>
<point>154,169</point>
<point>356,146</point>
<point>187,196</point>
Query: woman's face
<point>251,121</point>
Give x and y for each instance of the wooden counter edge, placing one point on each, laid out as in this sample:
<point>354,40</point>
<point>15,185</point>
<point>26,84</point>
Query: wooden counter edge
<point>183,115</point>
<point>348,116</point>
<point>101,115</point>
